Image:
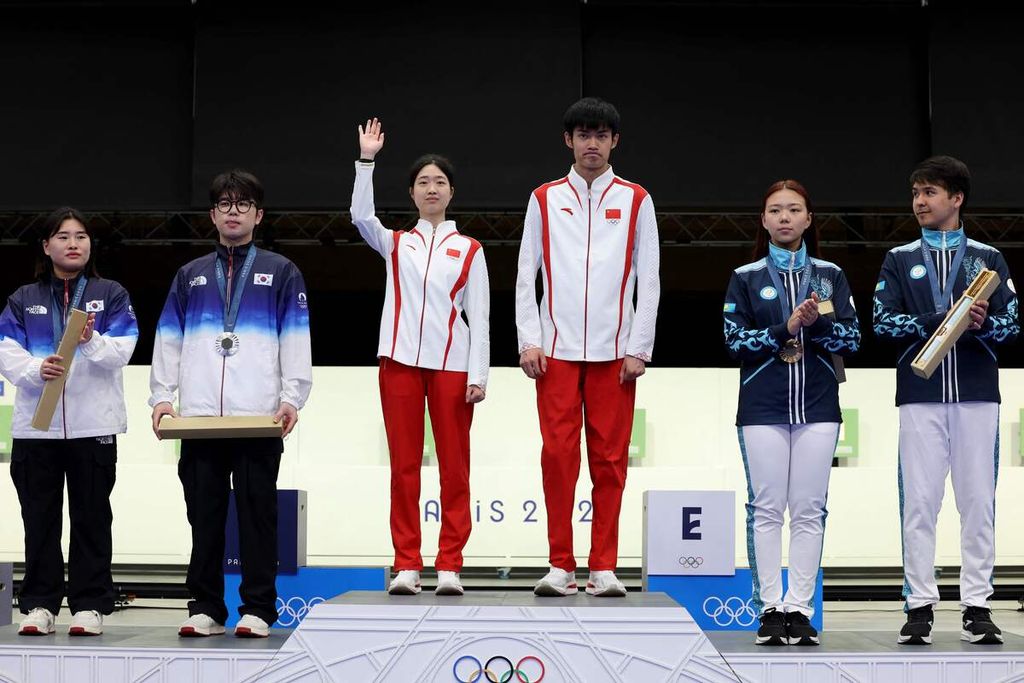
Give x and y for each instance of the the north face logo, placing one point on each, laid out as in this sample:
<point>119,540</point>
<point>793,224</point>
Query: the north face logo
<point>36,310</point>
<point>197,281</point>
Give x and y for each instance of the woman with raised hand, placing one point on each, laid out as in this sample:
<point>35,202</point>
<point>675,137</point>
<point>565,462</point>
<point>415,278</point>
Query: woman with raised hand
<point>434,348</point>
<point>788,418</point>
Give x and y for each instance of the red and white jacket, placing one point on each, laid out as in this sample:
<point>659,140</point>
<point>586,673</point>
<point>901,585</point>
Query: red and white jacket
<point>433,276</point>
<point>594,247</point>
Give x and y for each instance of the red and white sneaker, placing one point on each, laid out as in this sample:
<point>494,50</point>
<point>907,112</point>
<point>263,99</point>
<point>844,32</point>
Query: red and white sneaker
<point>251,626</point>
<point>556,583</point>
<point>604,584</point>
<point>200,626</point>
<point>86,622</point>
<point>38,622</point>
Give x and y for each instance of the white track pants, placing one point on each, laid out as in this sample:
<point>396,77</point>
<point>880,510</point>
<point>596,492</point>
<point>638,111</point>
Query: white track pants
<point>787,466</point>
<point>937,439</point>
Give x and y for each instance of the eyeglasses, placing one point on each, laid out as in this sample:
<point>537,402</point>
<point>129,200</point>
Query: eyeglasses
<point>243,205</point>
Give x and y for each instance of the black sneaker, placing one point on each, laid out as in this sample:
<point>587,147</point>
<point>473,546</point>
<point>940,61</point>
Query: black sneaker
<point>773,628</point>
<point>800,631</point>
<point>918,629</point>
<point>978,627</point>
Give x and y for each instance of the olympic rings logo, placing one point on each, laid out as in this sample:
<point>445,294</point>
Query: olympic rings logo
<point>482,673</point>
<point>730,611</point>
<point>292,612</point>
<point>691,562</point>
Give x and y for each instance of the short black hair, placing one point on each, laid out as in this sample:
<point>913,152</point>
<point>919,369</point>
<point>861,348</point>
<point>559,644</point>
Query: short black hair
<point>237,184</point>
<point>50,227</point>
<point>945,171</point>
<point>437,160</point>
<point>591,113</point>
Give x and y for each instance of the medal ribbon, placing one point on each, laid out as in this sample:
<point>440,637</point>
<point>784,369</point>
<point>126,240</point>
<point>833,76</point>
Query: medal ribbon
<point>942,298</point>
<point>59,319</point>
<point>231,311</point>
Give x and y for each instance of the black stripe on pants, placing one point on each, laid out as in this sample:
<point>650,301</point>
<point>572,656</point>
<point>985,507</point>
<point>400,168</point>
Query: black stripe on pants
<point>39,468</point>
<point>207,469</point>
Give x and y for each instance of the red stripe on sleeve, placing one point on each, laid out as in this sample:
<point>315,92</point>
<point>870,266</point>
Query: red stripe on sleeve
<point>639,194</point>
<point>398,289</point>
<point>474,247</point>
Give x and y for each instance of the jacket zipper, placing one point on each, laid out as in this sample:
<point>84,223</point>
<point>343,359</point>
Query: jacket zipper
<point>586,277</point>
<point>63,400</point>
<point>227,306</point>
<point>423,309</point>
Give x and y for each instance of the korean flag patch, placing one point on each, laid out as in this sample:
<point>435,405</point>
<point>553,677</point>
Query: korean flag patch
<point>94,306</point>
<point>265,279</point>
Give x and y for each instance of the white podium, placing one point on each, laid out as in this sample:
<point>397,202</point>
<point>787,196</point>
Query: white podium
<point>374,637</point>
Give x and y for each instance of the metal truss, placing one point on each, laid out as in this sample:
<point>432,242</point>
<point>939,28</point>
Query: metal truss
<point>678,229</point>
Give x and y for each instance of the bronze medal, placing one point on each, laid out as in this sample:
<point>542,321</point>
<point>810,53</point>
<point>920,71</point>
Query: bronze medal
<point>792,352</point>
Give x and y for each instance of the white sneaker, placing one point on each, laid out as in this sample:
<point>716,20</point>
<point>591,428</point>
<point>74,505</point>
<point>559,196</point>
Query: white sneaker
<point>38,622</point>
<point>87,622</point>
<point>406,583</point>
<point>603,584</point>
<point>251,626</point>
<point>556,583</point>
<point>448,583</point>
<point>200,626</point>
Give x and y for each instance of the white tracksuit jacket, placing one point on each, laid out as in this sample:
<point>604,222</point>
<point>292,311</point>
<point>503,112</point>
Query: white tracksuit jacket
<point>433,276</point>
<point>594,247</point>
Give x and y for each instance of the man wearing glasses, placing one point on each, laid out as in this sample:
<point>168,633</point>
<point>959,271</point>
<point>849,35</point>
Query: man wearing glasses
<point>233,339</point>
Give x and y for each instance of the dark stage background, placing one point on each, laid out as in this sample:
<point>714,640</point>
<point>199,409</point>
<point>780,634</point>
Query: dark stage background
<point>127,109</point>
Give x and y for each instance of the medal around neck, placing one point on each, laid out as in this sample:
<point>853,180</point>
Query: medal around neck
<point>226,343</point>
<point>792,351</point>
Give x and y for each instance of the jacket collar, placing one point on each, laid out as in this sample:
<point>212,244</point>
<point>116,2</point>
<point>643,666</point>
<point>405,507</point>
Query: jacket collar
<point>57,284</point>
<point>239,252</point>
<point>598,187</point>
<point>425,230</point>
<point>784,258</point>
<point>943,239</point>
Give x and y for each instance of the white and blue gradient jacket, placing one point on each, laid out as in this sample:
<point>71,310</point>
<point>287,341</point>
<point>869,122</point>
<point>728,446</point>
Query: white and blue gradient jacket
<point>904,314</point>
<point>773,391</point>
<point>92,403</point>
<point>273,361</point>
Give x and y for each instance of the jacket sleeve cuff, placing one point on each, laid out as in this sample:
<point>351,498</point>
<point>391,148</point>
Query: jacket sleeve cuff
<point>820,327</point>
<point>781,333</point>
<point>32,376</point>
<point>930,323</point>
<point>167,397</point>
<point>92,346</point>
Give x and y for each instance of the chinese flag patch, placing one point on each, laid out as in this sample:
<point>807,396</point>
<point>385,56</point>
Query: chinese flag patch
<point>612,214</point>
<point>454,253</point>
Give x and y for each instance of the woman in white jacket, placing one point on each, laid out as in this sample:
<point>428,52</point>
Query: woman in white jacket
<point>434,345</point>
<point>80,444</point>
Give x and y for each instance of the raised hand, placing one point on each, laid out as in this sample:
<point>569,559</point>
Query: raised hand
<point>371,139</point>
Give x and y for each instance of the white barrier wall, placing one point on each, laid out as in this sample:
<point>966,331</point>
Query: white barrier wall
<point>339,455</point>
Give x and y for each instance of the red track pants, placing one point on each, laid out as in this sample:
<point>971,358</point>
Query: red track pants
<point>402,392</point>
<point>569,395</point>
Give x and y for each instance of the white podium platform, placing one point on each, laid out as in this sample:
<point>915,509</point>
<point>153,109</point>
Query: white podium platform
<point>371,637</point>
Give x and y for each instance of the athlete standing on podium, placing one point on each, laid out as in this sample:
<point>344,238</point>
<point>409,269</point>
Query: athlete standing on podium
<point>233,339</point>
<point>81,444</point>
<point>949,424</point>
<point>434,345</point>
<point>788,417</point>
<point>594,238</point>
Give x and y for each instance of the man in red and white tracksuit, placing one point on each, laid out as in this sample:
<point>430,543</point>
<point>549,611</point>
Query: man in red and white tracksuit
<point>595,239</point>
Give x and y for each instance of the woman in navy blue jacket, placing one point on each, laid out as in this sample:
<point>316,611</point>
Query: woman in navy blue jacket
<point>80,445</point>
<point>788,418</point>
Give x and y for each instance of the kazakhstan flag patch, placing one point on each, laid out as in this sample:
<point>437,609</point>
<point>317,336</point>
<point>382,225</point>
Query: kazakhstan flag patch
<point>729,308</point>
<point>880,286</point>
